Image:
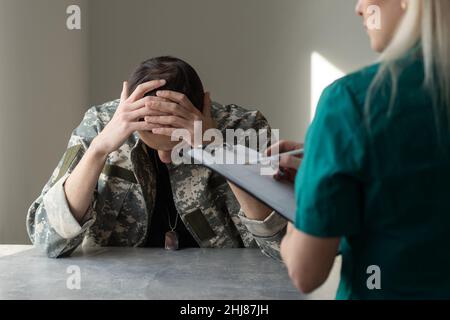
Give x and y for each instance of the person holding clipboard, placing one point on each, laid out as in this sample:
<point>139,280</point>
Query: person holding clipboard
<point>374,183</point>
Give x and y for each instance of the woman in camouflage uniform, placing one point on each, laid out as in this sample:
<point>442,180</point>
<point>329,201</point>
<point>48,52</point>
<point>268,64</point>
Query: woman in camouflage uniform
<point>115,184</point>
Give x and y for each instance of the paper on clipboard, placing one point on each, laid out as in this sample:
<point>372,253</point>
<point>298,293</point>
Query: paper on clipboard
<point>278,195</point>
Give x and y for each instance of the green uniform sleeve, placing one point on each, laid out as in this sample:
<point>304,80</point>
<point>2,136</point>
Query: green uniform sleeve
<point>329,184</point>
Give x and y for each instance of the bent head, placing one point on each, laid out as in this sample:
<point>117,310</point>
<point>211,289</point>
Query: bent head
<point>381,20</point>
<point>180,77</point>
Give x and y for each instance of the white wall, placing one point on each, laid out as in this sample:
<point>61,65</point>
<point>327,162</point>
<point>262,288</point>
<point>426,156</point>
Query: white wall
<point>255,53</point>
<point>252,52</point>
<point>43,93</point>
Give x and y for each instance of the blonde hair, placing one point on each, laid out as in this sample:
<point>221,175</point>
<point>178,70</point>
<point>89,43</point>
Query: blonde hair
<point>427,22</point>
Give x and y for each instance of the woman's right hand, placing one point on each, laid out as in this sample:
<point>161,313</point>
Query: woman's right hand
<point>128,117</point>
<point>288,165</point>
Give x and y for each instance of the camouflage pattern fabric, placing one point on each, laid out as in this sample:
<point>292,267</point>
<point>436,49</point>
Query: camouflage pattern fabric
<point>123,201</point>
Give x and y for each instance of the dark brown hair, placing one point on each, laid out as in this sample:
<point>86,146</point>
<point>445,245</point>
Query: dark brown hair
<point>179,76</point>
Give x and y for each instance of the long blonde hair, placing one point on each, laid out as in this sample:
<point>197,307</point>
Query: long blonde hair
<point>427,22</point>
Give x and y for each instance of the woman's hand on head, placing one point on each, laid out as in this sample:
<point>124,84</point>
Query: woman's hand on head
<point>128,117</point>
<point>288,165</point>
<point>180,113</point>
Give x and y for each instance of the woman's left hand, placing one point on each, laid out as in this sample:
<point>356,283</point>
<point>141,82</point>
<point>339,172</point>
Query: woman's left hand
<point>181,114</point>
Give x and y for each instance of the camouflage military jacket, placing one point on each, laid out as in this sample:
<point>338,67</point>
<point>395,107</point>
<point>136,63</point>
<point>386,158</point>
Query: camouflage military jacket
<point>123,201</point>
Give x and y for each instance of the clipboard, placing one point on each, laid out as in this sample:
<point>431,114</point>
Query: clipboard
<point>278,195</point>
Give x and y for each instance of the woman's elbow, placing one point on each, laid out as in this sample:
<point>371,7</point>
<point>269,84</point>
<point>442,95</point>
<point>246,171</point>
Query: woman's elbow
<point>305,282</point>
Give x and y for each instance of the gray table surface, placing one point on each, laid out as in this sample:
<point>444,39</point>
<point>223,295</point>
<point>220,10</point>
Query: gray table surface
<point>141,273</point>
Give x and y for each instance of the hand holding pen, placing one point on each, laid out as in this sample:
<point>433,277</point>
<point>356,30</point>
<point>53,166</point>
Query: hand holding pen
<point>290,155</point>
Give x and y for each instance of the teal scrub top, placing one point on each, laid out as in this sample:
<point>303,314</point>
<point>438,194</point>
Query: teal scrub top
<point>380,181</point>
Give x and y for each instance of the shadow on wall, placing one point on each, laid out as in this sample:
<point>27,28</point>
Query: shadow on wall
<point>44,92</point>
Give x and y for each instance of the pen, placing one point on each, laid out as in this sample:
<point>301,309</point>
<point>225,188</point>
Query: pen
<point>277,156</point>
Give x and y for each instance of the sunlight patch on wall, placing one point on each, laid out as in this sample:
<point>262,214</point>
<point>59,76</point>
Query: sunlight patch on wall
<point>323,73</point>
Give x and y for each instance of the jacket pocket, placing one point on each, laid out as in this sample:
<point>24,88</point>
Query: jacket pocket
<point>113,187</point>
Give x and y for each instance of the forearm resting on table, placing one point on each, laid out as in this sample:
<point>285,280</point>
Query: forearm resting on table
<point>80,185</point>
<point>253,208</point>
